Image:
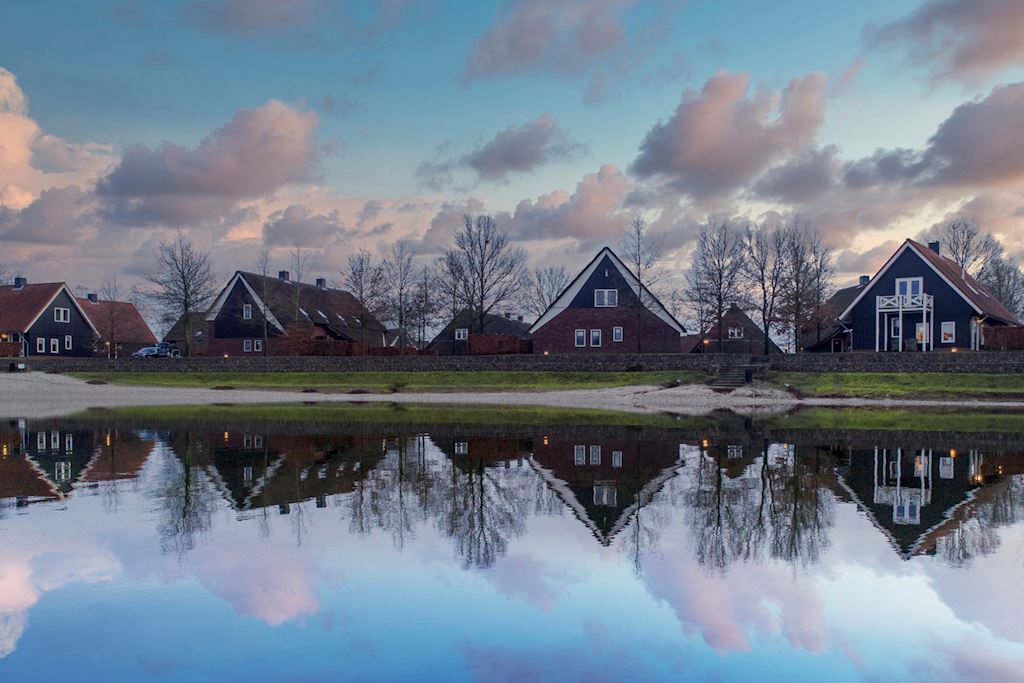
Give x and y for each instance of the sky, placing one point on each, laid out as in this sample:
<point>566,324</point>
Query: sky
<point>337,126</point>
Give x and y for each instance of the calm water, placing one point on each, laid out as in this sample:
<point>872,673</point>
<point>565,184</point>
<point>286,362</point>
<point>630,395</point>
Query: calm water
<point>234,549</point>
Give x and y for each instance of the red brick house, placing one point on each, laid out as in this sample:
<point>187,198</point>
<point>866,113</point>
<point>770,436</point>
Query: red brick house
<point>605,310</point>
<point>122,329</point>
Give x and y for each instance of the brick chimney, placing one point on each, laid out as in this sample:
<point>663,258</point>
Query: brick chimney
<point>20,282</point>
<point>864,280</point>
<point>283,275</point>
<point>93,297</point>
<point>321,282</point>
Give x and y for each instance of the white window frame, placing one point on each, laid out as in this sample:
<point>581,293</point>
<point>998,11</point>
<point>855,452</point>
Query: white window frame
<point>595,454</point>
<point>595,335</point>
<point>616,334</point>
<point>945,467</point>
<point>579,454</point>
<point>54,345</point>
<point>41,441</point>
<point>247,312</point>
<point>257,345</point>
<point>894,328</point>
<point>461,448</point>
<point>616,458</point>
<point>581,339</point>
<point>948,327</point>
<point>606,298</point>
<point>921,332</point>
<point>461,333</point>
<point>910,281</point>
<point>61,315</point>
<point>67,342</point>
<point>247,346</point>
<point>735,333</point>
<point>69,442</point>
<point>40,344</point>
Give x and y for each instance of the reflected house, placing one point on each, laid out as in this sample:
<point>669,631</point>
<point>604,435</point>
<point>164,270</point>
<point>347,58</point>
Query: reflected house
<point>605,480</point>
<point>915,496</point>
<point>463,449</point>
<point>254,469</point>
<point>119,455</point>
<point>61,452</point>
<point>21,478</point>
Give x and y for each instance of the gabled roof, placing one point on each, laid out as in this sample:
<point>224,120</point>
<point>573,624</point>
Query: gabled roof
<point>493,324</point>
<point>736,317</point>
<point>333,309</point>
<point>972,291</point>
<point>569,293</point>
<point>836,303</point>
<point>119,319</point>
<point>20,307</point>
<point>177,331</point>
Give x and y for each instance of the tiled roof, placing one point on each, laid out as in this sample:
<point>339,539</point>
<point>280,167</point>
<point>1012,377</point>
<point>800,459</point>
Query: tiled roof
<point>974,291</point>
<point>19,306</point>
<point>121,318</point>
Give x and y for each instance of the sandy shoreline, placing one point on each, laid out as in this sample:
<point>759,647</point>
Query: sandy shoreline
<point>38,395</point>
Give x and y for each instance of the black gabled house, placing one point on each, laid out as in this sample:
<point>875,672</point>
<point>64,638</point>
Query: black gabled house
<point>44,320</point>
<point>921,300</point>
<point>453,339</point>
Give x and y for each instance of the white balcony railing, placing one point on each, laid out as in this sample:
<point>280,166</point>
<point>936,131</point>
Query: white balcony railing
<point>905,302</point>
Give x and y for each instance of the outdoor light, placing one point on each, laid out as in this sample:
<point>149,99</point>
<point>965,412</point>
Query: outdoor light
<point>952,452</point>
<point>705,443</point>
<point>545,441</point>
<point>225,355</point>
<point>954,350</point>
<point>108,438</point>
<point>226,435</point>
<point>545,353</point>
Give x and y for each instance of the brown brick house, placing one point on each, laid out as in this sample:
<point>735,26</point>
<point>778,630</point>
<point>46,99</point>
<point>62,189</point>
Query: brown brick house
<point>605,310</point>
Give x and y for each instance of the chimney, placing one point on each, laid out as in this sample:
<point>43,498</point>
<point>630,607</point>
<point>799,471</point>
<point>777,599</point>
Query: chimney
<point>93,297</point>
<point>283,275</point>
<point>934,246</point>
<point>864,280</point>
<point>519,318</point>
<point>321,282</point>
<point>20,282</point>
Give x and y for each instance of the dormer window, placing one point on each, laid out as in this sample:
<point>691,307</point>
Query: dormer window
<point>606,298</point>
<point>247,312</point>
<point>735,333</point>
<point>461,334</point>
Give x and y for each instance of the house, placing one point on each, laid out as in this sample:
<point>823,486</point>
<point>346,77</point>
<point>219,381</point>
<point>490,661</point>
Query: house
<point>832,335</point>
<point>301,319</point>
<point>44,320</point>
<point>739,334</point>
<point>122,329</point>
<point>453,340</point>
<point>921,300</point>
<point>177,335</point>
<point>606,310</point>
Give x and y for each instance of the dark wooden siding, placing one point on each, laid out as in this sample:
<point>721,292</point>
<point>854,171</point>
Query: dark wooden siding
<point>605,276</point>
<point>230,323</point>
<point>949,306</point>
<point>82,336</point>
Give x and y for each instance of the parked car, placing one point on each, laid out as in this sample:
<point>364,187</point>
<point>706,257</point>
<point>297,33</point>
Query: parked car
<point>158,351</point>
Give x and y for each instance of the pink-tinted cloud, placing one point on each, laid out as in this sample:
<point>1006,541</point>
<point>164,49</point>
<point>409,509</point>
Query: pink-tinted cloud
<point>965,40</point>
<point>59,215</point>
<point>719,139</point>
<point>561,36</point>
<point>298,226</point>
<point>257,152</point>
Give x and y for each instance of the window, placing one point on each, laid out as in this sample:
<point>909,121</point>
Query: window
<point>41,441</point>
<point>894,470</point>
<point>920,465</point>
<point>616,458</point>
<point>894,328</point>
<point>595,455</point>
<point>257,345</point>
<point>247,475</point>
<point>595,337</point>
<point>909,286</point>
<point>62,471</point>
<point>735,333</point>
<point>579,455</point>
<point>581,338</point>
<point>461,448</point>
<point>40,344</point>
<point>462,334</point>
<point>54,440</point>
<point>67,342</point>
<point>247,346</point>
<point>54,345</point>
<point>605,494</point>
<point>949,332</point>
<point>69,442</point>
<point>945,467</point>
<point>257,441</point>
<point>616,334</point>
<point>606,298</point>
<point>62,315</point>
<point>247,312</point>
<point>246,441</point>
<point>921,331</point>
<point>734,450</point>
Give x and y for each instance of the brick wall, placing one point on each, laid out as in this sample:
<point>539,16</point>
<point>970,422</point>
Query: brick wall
<point>559,335</point>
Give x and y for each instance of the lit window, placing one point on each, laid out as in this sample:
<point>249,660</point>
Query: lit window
<point>616,458</point>
<point>581,338</point>
<point>54,345</point>
<point>247,312</point>
<point>461,448</point>
<point>247,346</point>
<point>579,454</point>
<point>735,333</point>
<point>949,332</point>
<point>595,455</point>
<point>616,334</point>
<point>257,345</point>
<point>606,298</point>
<point>462,334</point>
<point>40,344</point>
<point>595,337</point>
<point>67,342</point>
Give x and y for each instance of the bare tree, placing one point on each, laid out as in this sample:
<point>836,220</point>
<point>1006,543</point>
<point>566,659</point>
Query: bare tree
<point>798,292</point>
<point>489,270</point>
<point>4,278</point>
<point>115,317</point>
<point>263,270</point>
<point>763,269</point>
<point>399,277</point>
<point>364,279</point>
<point>714,281</point>
<point>967,245</point>
<point>183,283</point>
<point>821,284</point>
<point>300,269</point>
<point>448,272</point>
<point>544,287</point>
<point>641,255</point>
<point>425,305</point>
<point>1004,280</point>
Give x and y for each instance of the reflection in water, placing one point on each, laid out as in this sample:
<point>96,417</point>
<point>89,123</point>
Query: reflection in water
<point>739,493</point>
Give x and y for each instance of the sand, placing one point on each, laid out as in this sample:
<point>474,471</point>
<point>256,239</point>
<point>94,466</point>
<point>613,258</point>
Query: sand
<point>38,395</point>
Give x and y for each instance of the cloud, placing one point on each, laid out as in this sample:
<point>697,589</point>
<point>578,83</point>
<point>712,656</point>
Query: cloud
<point>257,152</point>
<point>517,149</point>
<point>720,138</point>
<point>560,36</point>
<point>12,99</point>
<point>298,226</point>
<point>56,217</point>
<point>802,177</point>
<point>251,17</point>
<point>963,40</point>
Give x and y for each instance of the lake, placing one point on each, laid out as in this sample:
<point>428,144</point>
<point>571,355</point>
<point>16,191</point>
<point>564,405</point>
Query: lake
<point>315,543</point>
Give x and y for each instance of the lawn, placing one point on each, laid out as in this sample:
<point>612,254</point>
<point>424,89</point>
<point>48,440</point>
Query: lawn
<point>900,419</point>
<point>393,382</point>
<point>903,385</point>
